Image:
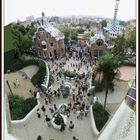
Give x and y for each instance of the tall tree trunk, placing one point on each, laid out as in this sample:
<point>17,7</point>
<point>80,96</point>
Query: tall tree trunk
<point>106,93</point>
<point>99,76</point>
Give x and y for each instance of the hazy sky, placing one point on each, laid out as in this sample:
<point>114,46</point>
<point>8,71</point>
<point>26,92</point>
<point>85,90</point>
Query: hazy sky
<point>20,9</point>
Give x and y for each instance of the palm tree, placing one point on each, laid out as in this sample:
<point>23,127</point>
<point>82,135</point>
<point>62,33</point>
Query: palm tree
<point>108,66</point>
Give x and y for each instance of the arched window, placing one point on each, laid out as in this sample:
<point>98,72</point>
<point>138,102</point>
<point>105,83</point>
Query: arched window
<point>51,44</point>
<point>50,54</point>
<point>62,51</point>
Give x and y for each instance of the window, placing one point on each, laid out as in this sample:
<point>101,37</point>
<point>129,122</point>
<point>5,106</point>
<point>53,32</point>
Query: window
<point>100,52</point>
<point>62,50</point>
<point>50,54</point>
<point>96,53</point>
<point>47,36</point>
<point>38,45</point>
<point>44,46</point>
<point>51,44</point>
<point>39,37</point>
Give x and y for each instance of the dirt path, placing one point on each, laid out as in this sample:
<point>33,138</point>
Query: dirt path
<point>25,84</point>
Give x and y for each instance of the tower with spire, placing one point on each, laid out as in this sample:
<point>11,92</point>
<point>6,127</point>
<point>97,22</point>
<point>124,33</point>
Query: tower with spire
<point>113,29</point>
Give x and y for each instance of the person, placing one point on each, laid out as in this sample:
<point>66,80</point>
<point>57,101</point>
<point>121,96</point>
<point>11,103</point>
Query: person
<point>71,125</point>
<point>81,114</point>
<point>74,138</point>
<point>37,95</point>
<point>48,120</point>
<point>55,107</point>
<point>78,112</point>
<point>62,127</point>
<point>51,108</point>
<point>46,101</point>
<point>17,83</point>
<point>38,113</point>
<point>69,105</point>
<point>43,109</point>
<point>39,138</point>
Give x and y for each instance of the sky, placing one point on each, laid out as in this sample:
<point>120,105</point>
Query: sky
<point>20,9</point>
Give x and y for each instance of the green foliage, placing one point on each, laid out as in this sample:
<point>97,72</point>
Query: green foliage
<point>74,35</point>
<point>122,23</point>
<point>66,32</point>
<point>103,23</point>
<point>92,33</point>
<point>7,38</point>
<point>26,42</point>
<point>80,31</point>
<point>38,78</point>
<point>22,38</point>
<point>100,115</point>
<point>108,66</point>
<point>20,107</point>
<point>120,45</point>
<point>131,41</point>
<point>69,74</point>
<point>10,55</point>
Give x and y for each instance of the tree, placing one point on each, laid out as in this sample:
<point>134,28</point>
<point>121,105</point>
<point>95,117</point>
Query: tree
<point>108,66</point>
<point>120,45</point>
<point>131,41</point>
<point>80,31</point>
<point>16,42</point>
<point>122,23</point>
<point>103,23</point>
<point>66,33</point>
<point>26,42</point>
<point>73,35</point>
<point>125,47</point>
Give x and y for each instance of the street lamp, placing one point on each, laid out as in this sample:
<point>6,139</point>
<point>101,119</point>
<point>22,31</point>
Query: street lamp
<point>9,87</point>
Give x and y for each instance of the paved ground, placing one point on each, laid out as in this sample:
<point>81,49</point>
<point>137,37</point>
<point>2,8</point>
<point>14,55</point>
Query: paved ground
<point>25,84</point>
<point>38,127</point>
<point>127,72</point>
<point>82,128</point>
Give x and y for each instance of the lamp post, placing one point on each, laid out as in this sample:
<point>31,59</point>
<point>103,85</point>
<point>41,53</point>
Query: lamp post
<point>9,87</point>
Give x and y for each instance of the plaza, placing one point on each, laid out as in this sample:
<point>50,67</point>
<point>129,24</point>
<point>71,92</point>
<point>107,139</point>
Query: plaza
<point>82,130</point>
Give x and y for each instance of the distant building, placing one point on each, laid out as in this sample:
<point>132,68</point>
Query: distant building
<point>130,27</point>
<point>30,18</point>
<point>81,40</point>
<point>26,23</point>
<point>48,41</point>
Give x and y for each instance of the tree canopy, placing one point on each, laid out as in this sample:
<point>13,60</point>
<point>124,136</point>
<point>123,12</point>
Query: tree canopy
<point>108,66</point>
<point>66,33</point>
<point>103,23</point>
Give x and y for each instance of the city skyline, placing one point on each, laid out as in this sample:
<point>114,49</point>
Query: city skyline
<point>14,10</point>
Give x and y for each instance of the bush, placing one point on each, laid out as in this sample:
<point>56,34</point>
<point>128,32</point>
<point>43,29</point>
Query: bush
<point>38,78</point>
<point>100,115</point>
<point>69,74</point>
<point>20,107</point>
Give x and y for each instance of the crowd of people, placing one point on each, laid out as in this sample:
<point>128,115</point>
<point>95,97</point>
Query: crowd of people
<point>79,98</point>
